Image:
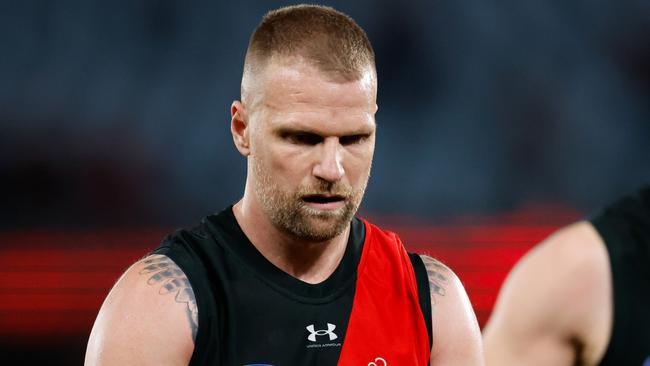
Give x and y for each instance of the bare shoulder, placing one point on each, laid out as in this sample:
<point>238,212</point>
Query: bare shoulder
<point>439,277</point>
<point>561,270</point>
<point>456,335</point>
<point>554,302</point>
<point>149,317</point>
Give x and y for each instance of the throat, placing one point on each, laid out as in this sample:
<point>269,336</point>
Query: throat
<point>309,261</point>
<point>312,263</point>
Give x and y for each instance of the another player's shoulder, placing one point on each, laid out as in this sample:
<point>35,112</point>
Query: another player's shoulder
<point>626,222</point>
<point>567,261</point>
<point>149,316</point>
<point>576,248</point>
<point>557,297</point>
<point>633,207</point>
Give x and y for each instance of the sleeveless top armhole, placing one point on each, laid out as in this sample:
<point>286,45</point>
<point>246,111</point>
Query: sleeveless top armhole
<point>424,295</point>
<point>205,347</point>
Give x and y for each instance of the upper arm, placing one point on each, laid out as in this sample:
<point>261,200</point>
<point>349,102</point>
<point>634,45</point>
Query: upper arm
<point>456,335</point>
<point>553,304</point>
<point>149,318</point>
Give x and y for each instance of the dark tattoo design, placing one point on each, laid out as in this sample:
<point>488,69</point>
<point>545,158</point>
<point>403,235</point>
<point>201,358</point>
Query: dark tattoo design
<point>172,280</point>
<point>437,281</point>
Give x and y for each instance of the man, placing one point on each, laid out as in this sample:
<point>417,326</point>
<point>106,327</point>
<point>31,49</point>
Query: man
<point>288,275</point>
<point>581,297</point>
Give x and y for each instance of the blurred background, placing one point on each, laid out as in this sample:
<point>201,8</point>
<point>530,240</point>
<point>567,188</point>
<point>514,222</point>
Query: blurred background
<point>497,124</point>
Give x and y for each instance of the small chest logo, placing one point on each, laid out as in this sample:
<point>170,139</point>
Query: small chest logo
<point>321,332</point>
<point>378,362</point>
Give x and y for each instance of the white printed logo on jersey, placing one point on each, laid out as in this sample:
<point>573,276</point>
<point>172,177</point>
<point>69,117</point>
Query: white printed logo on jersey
<point>321,332</point>
<point>378,362</point>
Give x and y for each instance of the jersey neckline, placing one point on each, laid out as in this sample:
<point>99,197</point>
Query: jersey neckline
<point>226,227</point>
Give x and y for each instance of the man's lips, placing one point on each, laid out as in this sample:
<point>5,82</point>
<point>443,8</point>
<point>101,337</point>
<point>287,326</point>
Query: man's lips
<point>323,198</point>
<point>324,202</point>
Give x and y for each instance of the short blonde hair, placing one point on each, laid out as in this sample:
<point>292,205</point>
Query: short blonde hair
<point>327,38</point>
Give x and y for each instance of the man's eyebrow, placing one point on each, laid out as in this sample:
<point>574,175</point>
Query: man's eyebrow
<point>287,130</point>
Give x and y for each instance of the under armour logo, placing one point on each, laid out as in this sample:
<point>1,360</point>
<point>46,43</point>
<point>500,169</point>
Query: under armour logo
<point>321,332</point>
<point>378,362</point>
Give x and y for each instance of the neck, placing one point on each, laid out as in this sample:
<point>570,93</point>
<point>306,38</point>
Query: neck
<point>308,261</point>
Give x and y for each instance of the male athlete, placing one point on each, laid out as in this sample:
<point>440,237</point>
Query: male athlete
<point>581,297</point>
<point>288,276</point>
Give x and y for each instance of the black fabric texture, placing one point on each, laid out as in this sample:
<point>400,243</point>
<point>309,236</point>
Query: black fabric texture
<point>625,229</point>
<point>424,292</point>
<point>251,312</point>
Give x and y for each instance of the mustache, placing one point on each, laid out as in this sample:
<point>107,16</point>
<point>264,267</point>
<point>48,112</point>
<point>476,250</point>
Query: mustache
<point>324,187</point>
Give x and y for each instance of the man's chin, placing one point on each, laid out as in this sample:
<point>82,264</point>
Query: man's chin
<point>325,227</point>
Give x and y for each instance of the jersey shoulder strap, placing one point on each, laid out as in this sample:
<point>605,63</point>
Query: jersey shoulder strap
<point>424,292</point>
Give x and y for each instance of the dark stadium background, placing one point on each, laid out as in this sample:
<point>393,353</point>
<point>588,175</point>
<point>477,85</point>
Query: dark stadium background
<point>498,123</point>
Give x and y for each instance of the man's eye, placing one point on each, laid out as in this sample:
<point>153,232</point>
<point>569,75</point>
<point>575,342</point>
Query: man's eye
<point>304,138</point>
<point>352,139</point>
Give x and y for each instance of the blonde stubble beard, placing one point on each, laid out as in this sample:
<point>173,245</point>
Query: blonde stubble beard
<point>291,215</point>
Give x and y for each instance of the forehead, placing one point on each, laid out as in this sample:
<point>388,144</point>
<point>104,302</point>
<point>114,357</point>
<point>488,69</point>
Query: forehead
<point>295,94</point>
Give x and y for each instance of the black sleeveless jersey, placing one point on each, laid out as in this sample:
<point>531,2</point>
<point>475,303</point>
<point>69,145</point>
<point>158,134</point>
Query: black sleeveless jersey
<point>253,313</point>
<point>625,229</point>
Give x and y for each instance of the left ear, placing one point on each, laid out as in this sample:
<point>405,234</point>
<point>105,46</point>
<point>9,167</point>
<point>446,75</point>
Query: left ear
<point>239,128</point>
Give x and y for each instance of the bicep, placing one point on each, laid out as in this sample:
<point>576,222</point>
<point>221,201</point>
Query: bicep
<point>149,318</point>
<point>456,335</point>
<point>519,333</point>
<point>538,314</point>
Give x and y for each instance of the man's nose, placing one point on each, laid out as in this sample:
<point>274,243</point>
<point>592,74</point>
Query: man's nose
<point>329,166</point>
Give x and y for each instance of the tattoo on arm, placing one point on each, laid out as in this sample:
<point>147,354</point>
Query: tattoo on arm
<point>171,279</point>
<point>437,278</point>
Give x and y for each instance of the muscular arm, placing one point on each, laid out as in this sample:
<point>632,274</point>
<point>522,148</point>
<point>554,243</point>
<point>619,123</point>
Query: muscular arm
<point>456,335</point>
<point>149,318</point>
<point>555,307</point>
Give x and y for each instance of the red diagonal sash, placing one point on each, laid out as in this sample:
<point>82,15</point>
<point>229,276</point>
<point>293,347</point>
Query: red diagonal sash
<point>386,326</point>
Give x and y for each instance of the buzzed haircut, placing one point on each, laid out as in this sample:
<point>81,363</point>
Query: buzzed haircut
<point>328,39</point>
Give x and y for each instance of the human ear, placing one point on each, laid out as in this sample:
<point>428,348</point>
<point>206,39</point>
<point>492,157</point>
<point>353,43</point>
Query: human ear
<point>239,128</point>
